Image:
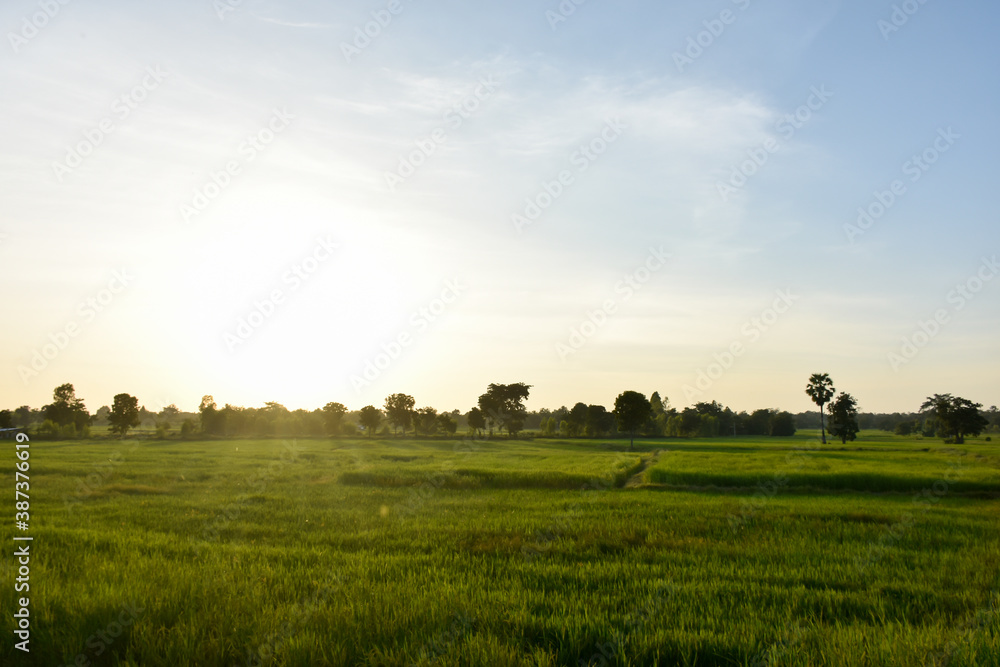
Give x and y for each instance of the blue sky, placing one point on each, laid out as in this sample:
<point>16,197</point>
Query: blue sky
<point>254,217</point>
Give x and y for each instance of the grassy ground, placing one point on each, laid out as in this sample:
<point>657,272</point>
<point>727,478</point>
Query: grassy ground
<point>545,552</point>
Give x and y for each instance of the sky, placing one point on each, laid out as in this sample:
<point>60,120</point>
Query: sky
<point>308,202</point>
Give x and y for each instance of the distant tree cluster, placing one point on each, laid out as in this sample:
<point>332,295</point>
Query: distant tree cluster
<point>500,410</point>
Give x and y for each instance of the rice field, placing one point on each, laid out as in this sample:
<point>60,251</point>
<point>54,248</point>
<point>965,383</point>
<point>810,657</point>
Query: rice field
<point>769,551</point>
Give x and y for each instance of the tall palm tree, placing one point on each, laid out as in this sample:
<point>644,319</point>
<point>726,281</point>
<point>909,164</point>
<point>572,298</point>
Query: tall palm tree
<point>820,390</point>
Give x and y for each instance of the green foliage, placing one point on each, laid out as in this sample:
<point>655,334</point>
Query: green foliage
<point>632,410</point>
<point>66,408</point>
<point>781,424</point>
<point>476,420</point>
<point>333,418</point>
<point>820,390</point>
<point>369,418</point>
<point>426,421</point>
<point>503,405</point>
<point>957,417</point>
<point>844,418</point>
<point>399,411</point>
<point>124,414</point>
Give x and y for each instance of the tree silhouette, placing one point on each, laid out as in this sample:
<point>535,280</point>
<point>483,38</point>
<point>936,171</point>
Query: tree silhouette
<point>958,416</point>
<point>820,390</point>
<point>370,417</point>
<point>399,411</point>
<point>124,414</point>
<point>844,418</point>
<point>632,409</point>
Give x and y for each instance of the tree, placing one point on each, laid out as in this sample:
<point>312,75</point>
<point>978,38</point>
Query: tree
<point>599,421</point>
<point>503,404</point>
<point>477,420</point>
<point>370,418</point>
<point>66,408</point>
<point>689,423</point>
<point>782,424</point>
<point>333,417</point>
<point>577,419</point>
<point>212,420</point>
<point>23,416</point>
<point>632,409</point>
<point>844,418</point>
<point>447,423</point>
<point>399,411</point>
<point>6,419</point>
<point>124,414</point>
<point>820,390</point>
<point>426,421</point>
<point>956,416</point>
<point>656,405</point>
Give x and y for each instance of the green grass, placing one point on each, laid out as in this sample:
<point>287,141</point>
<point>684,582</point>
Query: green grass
<point>398,552</point>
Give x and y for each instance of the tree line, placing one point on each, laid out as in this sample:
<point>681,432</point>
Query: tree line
<point>500,410</point>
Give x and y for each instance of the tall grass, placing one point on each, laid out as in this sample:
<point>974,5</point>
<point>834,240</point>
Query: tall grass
<point>399,552</point>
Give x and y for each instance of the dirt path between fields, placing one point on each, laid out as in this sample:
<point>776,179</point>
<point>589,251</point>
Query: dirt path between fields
<point>638,479</point>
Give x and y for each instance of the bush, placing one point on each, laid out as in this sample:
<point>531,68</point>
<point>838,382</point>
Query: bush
<point>187,429</point>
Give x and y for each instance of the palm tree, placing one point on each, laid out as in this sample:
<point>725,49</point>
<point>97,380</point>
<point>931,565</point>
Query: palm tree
<point>820,390</point>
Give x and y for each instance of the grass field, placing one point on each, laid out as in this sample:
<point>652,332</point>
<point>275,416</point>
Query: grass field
<point>770,551</point>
